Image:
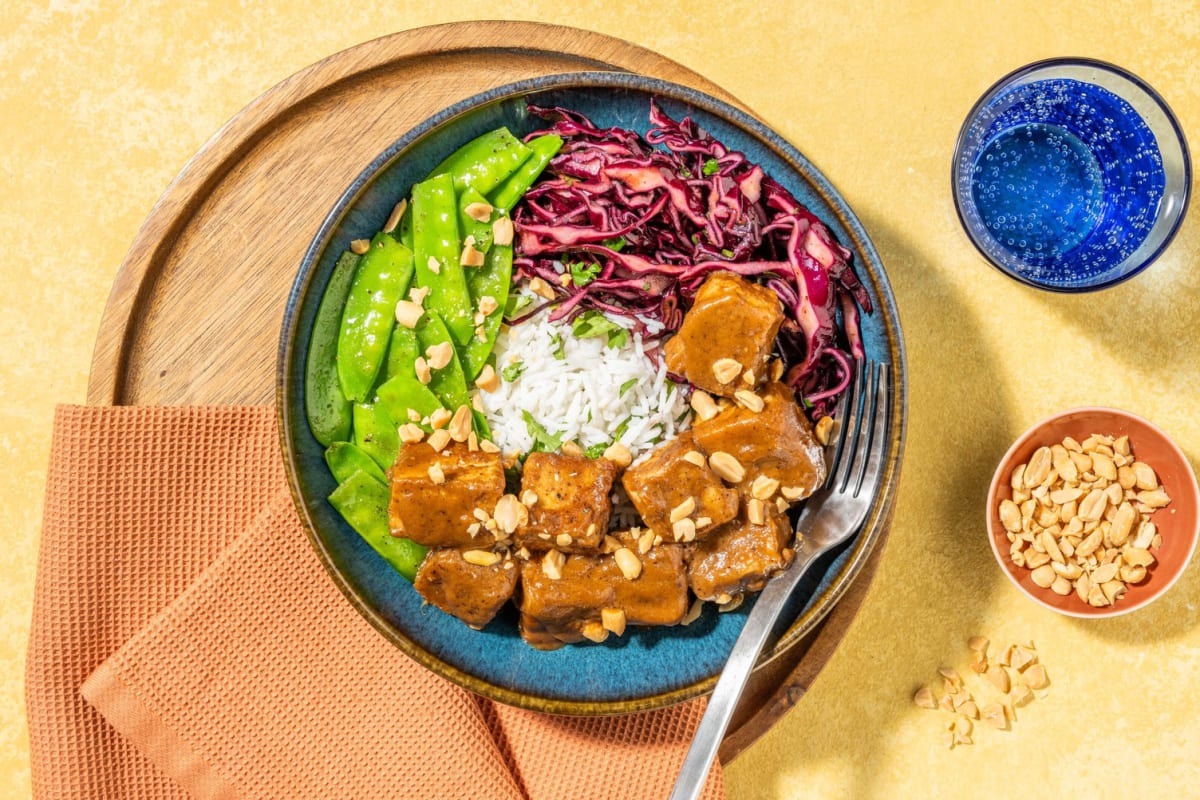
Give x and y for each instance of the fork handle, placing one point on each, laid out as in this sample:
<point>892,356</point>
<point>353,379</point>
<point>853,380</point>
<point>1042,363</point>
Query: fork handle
<point>724,699</point>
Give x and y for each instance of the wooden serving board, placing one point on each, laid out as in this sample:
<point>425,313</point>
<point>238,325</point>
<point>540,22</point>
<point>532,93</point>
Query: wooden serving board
<point>195,311</point>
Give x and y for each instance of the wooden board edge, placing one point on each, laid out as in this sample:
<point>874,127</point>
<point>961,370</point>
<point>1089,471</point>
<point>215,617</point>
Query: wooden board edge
<point>218,156</point>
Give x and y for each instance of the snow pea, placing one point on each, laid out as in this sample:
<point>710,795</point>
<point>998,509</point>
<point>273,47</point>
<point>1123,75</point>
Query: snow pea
<point>493,279</point>
<point>344,459</point>
<point>437,248</point>
<point>380,281</point>
<point>484,162</point>
<point>402,391</point>
<point>363,502</point>
<point>326,405</point>
<point>450,382</point>
<point>542,149</point>
<point>375,434</point>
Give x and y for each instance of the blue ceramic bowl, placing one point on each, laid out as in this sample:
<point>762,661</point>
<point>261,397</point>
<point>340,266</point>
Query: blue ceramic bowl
<point>646,668</point>
<point>1071,175</point>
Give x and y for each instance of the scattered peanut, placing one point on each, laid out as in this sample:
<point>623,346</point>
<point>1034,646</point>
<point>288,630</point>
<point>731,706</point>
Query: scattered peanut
<point>964,703</point>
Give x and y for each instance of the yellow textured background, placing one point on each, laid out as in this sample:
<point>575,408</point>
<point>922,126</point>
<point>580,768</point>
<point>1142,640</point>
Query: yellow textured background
<point>101,103</point>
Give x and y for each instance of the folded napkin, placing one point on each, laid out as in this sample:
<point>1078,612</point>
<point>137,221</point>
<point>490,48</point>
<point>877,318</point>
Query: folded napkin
<point>186,642</point>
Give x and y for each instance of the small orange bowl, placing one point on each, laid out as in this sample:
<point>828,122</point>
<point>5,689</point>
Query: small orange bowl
<point>1177,522</point>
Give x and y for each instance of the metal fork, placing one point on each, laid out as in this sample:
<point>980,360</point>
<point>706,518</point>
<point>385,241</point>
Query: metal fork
<point>831,516</point>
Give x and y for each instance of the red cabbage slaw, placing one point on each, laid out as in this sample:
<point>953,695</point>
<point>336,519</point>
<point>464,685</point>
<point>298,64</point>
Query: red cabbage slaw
<point>640,227</point>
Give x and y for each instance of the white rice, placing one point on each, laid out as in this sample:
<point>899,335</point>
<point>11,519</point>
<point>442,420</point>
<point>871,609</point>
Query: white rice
<point>578,396</point>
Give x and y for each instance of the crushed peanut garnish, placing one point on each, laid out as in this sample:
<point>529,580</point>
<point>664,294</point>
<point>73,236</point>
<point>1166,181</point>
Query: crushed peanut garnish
<point>480,212</point>
<point>360,246</point>
<point>408,313</point>
<point>726,370</point>
<point>394,218</point>
<point>439,439</point>
<point>542,289</point>
<point>1011,678</point>
<point>749,400</point>
<point>726,467</point>
<point>488,380</point>
<point>703,404</point>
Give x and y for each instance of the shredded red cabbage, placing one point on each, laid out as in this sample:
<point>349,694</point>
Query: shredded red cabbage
<point>644,225</point>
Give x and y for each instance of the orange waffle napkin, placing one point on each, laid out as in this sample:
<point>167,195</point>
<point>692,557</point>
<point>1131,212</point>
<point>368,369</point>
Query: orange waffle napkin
<point>186,642</point>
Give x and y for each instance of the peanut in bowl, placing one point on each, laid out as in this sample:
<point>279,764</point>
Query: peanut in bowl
<point>1059,525</point>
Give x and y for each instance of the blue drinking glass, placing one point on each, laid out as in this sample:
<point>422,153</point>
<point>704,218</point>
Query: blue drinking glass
<point>1071,175</point>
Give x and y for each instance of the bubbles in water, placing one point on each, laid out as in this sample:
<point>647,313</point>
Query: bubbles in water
<point>1066,177</point>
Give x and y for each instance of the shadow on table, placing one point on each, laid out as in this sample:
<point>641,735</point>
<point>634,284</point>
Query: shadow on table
<point>1146,323</point>
<point>937,574</point>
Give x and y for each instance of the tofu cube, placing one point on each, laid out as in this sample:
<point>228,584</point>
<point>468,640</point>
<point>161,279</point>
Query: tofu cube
<point>471,592</point>
<point>740,556</point>
<point>573,502</point>
<point>731,318</point>
<point>439,513</point>
<point>666,480</point>
<point>570,608</point>
<point>776,442</point>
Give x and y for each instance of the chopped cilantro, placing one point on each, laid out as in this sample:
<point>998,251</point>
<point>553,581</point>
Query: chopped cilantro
<point>596,450</point>
<point>516,304</point>
<point>626,386</point>
<point>513,371</point>
<point>615,244</point>
<point>727,253</point>
<point>543,441</point>
<point>684,172</point>
<point>621,428</point>
<point>556,346</point>
<point>583,272</point>
<point>711,167</point>
<point>592,323</point>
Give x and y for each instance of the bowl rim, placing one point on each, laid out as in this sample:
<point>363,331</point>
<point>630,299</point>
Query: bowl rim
<point>999,477</point>
<point>1081,61</point>
<point>873,530</point>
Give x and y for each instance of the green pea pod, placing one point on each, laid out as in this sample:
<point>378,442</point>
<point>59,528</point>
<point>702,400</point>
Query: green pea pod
<point>436,242</point>
<point>401,391</point>
<point>344,459</point>
<point>404,229</point>
<point>484,162</point>
<point>327,407</point>
<point>375,434</point>
<point>363,502</point>
<point>493,279</point>
<point>381,280</point>
<point>543,148</point>
<point>449,383</point>
<point>480,231</point>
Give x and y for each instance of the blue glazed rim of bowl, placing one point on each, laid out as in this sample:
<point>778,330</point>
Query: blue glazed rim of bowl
<point>1018,76</point>
<point>430,639</point>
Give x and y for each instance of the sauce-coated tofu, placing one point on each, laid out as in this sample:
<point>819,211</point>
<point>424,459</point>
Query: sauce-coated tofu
<point>471,592</point>
<point>731,318</point>
<point>665,480</point>
<point>566,609</point>
<point>776,442</point>
<point>438,513</point>
<point>573,500</point>
<point>740,556</point>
